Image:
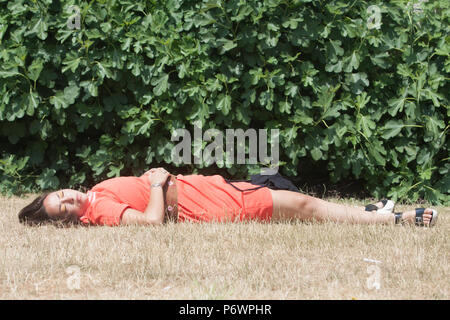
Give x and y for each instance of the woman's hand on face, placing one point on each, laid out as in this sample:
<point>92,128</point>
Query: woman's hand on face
<point>157,175</point>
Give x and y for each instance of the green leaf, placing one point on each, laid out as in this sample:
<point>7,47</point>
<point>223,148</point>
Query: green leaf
<point>285,107</point>
<point>34,70</point>
<point>265,99</point>
<point>93,88</point>
<point>434,96</point>
<point>332,112</point>
<point>381,60</point>
<point>244,115</point>
<point>357,81</point>
<point>47,180</point>
<point>161,84</point>
<point>71,62</point>
<point>39,28</point>
<point>396,105</point>
<point>114,171</point>
<point>33,103</point>
<point>352,62</point>
<point>9,73</point>
<point>302,118</point>
<point>367,125</point>
<point>291,89</point>
<point>71,93</point>
<point>224,103</point>
<point>374,152</point>
<point>391,129</point>
<point>316,154</point>
<point>326,97</point>
<point>226,45</point>
<point>102,69</point>
<point>203,19</point>
<point>334,50</point>
<point>145,128</point>
<point>336,68</point>
<point>433,125</point>
<point>77,179</point>
<point>62,99</point>
<point>424,156</point>
<point>58,101</point>
<point>411,109</point>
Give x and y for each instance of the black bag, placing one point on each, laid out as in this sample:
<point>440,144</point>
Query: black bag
<point>274,181</point>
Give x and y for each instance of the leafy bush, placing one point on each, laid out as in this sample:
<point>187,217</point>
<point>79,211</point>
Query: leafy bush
<point>365,94</point>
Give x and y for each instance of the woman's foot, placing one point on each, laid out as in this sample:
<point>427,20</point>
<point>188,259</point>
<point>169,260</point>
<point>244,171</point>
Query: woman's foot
<point>428,216</point>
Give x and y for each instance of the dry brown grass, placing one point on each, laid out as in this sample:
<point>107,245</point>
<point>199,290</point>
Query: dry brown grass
<point>223,261</point>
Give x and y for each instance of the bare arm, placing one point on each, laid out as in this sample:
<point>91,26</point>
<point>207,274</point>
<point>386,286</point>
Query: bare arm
<point>154,213</point>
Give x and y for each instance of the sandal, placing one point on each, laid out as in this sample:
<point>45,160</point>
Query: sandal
<point>388,207</point>
<point>419,217</point>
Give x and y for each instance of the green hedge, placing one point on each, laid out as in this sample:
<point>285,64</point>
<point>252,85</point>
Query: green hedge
<point>371,103</point>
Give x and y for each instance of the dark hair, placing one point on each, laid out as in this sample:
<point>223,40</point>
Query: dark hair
<point>35,214</point>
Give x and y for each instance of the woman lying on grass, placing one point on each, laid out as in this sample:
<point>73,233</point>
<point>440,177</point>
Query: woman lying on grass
<point>158,196</point>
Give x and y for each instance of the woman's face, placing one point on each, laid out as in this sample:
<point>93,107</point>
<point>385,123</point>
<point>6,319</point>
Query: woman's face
<point>62,203</point>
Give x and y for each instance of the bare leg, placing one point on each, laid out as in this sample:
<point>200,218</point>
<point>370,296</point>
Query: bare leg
<point>288,205</point>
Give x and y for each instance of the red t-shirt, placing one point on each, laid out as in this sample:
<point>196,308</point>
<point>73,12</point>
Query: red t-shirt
<point>109,199</point>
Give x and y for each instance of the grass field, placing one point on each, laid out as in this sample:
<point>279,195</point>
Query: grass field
<point>224,261</point>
